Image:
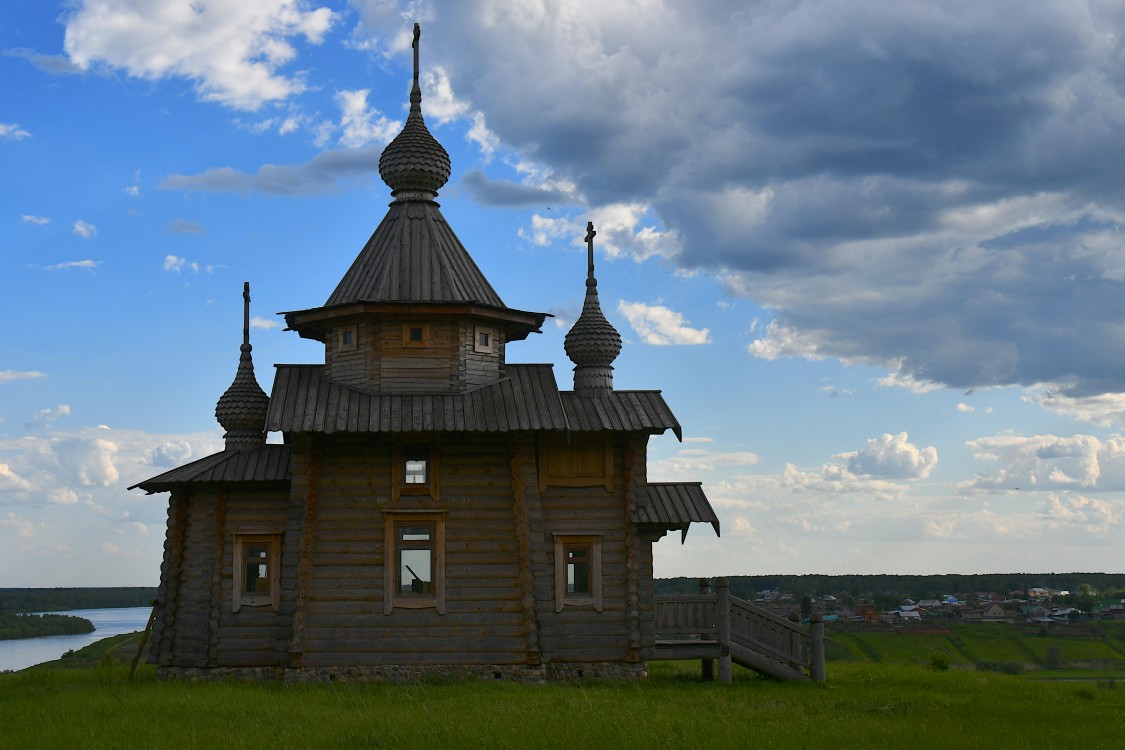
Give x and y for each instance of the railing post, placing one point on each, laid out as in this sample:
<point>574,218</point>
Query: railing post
<point>816,665</point>
<point>722,622</point>
<point>706,666</point>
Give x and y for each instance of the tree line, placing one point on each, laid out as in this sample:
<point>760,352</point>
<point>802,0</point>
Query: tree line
<point>895,586</point>
<point>14,626</point>
<point>47,600</point>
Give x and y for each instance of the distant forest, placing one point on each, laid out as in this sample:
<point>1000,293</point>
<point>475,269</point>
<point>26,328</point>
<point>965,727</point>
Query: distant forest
<point>916,587</point>
<point>34,626</point>
<point>56,600</point>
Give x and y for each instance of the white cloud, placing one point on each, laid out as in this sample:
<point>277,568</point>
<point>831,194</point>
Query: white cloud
<point>44,419</point>
<point>692,463</point>
<point>232,49</point>
<point>13,131</point>
<point>24,528</point>
<point>133,190</point>
<point>1048,462</point>
<point>32,219</point>
<point>85,229</point>
<point>965,408</point>
<point>1093,516</point>
<point>264,324</point>
<point>893,456</point>
<point>86,264</point>
<point>10,376</point>
<point>782,341</point>
<point>361,124</point>
<point>661,326</point>
<point>174,263</point>
<point>1099,409</point>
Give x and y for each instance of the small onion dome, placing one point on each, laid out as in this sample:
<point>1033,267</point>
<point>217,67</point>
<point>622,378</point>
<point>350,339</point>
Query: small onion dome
<point>592,342</point>
<point>414,164</point>
<point>241,410</point>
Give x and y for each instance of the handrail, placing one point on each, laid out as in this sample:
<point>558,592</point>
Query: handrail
<point>729,620</point>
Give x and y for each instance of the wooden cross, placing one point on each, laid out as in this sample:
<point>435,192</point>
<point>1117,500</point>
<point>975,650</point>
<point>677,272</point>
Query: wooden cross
<point>590,248</point>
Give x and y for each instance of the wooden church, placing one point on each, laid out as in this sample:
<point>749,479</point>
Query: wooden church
<point>433,509</point>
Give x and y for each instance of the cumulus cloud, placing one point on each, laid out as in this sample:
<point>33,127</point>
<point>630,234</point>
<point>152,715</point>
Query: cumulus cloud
<point>233,50</point>
<point>904,186</point>
<point>13,131</point>
<point>32,219</point>
<point>893,456</point>
<point>661,326</point>
<point>361,124</point>
<point>44,419</point>
<point>85,229</point>
<point>1048,462</point>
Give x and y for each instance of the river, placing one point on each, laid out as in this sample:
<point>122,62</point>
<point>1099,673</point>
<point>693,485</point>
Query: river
<point>24,652</point>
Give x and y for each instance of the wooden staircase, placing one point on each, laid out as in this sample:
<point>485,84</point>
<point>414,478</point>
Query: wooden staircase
<point>709,626</point>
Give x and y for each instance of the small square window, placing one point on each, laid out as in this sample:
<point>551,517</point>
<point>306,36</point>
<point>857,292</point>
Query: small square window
<point>483,339</point>
<point>347,339</point>
<point>416,334</point>
<point>415,470</point>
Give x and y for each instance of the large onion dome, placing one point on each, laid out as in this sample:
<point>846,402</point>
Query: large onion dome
<point>414,164</point>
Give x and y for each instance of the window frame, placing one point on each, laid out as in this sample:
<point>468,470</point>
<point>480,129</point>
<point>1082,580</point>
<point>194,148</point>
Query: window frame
<point>480,348</point>
<point>341,344</point>
<point>405,450</point>
<point>569,541</point>
<point>392,597</point>
<point>241,541</point>
<point>410,343</point>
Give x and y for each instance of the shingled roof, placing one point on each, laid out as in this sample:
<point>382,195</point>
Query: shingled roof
<point>303,400</point>
<point>674,505</point>
<point>268,463</point>
<point>414,256</point>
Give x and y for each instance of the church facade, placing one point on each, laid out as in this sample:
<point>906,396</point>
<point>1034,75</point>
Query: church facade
<point>433,508</point>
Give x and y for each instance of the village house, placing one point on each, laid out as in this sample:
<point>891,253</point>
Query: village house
<point>431,507</point>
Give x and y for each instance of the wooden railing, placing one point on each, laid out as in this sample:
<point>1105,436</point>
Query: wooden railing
<point>762,638</point>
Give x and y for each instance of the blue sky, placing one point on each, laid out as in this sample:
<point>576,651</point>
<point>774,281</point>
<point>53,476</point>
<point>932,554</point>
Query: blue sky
<point>869,251</point>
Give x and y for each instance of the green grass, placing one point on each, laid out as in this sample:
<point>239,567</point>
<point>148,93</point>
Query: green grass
<point>862,705</point>
<point>1102,647</point>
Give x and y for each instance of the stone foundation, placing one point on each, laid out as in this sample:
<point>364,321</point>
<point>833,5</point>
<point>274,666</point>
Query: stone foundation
<point>403,673</point>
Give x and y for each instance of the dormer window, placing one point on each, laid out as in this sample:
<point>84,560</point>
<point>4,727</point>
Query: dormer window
<point>416,334</point>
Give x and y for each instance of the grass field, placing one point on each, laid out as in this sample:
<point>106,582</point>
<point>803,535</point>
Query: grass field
<point>92,704</point>
<point>1097,647</point>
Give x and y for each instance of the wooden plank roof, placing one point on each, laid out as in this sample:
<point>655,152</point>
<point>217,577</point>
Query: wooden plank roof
<point>414,256</point>
<point>270,463</point>
<point>674,505</point>
<point>528,399</point>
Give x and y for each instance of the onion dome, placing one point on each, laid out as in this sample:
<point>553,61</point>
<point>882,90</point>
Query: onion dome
<point>414,164</point>
<point>241,410</point>
<point>592,342</point>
